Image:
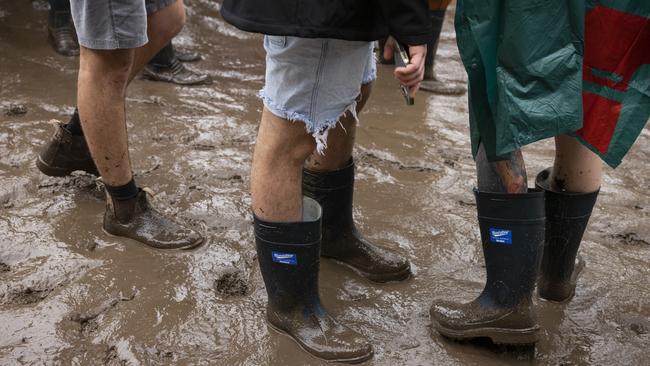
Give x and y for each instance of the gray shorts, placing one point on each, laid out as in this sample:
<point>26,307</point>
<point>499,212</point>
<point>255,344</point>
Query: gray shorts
<point>113,24</point>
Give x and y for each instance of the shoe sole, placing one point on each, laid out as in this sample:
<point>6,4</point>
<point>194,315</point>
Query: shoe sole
<point>56,172</point>
<point>179,249</point>
<point>353,360</point>
<point>153,77</point>
<point>377,278</point>
<point>449,89</point>
<point>503,336</point>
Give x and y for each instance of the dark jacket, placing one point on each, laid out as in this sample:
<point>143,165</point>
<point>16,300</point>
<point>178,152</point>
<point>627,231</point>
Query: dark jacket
<point>354,20</point>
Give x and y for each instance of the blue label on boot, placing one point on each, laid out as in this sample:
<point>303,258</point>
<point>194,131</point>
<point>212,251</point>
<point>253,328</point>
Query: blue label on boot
<point>501,236</point>
<point>285,258</point>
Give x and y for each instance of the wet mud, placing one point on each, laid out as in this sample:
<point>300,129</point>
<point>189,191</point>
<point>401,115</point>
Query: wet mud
<point>69,294</point>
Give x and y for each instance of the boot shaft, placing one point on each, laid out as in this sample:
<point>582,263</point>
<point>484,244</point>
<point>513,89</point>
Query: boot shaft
<point>512,233</point>
<point>334,191</point>
<point>567,217</point>
<point>289,257</point>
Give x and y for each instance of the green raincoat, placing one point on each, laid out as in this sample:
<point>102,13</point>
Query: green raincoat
<point>540,68</point>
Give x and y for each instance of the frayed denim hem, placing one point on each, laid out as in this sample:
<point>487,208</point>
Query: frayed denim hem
<point>319,131</point>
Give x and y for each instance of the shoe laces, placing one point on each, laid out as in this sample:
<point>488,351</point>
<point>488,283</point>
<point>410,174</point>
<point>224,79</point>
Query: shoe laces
<point>177,67</point>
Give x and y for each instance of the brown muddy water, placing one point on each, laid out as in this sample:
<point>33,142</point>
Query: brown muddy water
<point>69,294</point>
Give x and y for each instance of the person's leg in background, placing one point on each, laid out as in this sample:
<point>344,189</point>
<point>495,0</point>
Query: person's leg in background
<point>329,179</point>
<point>67,150</point>
<point>60,28</point>
<point>431,83</point>
<point>571,187</point>
<point>511,221</point>
<point>109,57</point>
<point>166,66</point>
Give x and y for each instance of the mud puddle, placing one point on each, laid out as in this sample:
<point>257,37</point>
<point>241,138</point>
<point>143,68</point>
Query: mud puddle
<point>69,294</point>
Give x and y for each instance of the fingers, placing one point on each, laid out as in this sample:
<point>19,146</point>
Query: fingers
<point>411,75</point>
<point>389,49</point>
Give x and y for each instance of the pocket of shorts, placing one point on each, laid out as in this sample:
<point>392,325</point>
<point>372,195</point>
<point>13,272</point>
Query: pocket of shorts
<point>277,41</point>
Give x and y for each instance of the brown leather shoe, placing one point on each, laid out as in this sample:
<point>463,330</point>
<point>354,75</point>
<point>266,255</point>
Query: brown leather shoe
<point>175,73</point>
<point>64,154</point>
<point>136,219</point>
<point>341,239</point>
<point>63,40</point>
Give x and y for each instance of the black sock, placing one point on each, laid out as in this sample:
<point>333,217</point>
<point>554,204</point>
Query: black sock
<point>165,57</point>
<point>123,193</point>
<point>74,126</point>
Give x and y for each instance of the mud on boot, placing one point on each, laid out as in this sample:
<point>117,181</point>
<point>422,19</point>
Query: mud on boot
<point>175,73</point>
<point>567,216</point>
<point>64,154</point>
<point>341,240</point>
<point>512,234</point>
<point>136,219</point>
<point>288,254</point>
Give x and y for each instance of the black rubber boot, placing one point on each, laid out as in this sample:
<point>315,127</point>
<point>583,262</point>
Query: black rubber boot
<point>341,239</point>
<point>288,253</point>
<point>567,216</point>
<point>512,233</point>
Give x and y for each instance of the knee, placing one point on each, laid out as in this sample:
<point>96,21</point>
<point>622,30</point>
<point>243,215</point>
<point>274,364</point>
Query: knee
<point>113,67</point>
<point>120,74</point>
<point>298,150</point>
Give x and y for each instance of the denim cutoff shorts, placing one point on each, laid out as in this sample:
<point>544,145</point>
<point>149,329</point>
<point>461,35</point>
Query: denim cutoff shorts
<point>315,80</point>
<point>113,24</point>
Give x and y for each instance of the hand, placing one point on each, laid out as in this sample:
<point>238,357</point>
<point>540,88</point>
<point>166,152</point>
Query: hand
<point>411,75</point>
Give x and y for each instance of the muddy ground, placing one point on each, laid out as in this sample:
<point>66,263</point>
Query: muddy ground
<point>69,294</point>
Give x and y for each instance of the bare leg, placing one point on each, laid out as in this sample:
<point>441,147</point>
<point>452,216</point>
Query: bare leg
<point>103,77</point>
<point>340,140</point>
<point>162,26</point>
<point>576,168</point>
<point>506,176</point>
<point>276,177</point>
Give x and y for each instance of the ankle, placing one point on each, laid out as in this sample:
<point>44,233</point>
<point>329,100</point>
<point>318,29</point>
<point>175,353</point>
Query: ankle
<point>123,192</point>
<point>74,125</point>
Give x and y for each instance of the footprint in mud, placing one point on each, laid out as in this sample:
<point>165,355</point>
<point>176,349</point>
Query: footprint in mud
<point>87,320</point>
<point>232,283</point>
<point>15,109</point>
<point>631,238</point>
<point>26,296</point>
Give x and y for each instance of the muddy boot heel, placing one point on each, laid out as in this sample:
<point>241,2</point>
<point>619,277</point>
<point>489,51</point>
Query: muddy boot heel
<point>64,154</point>
<point>342,241</point>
